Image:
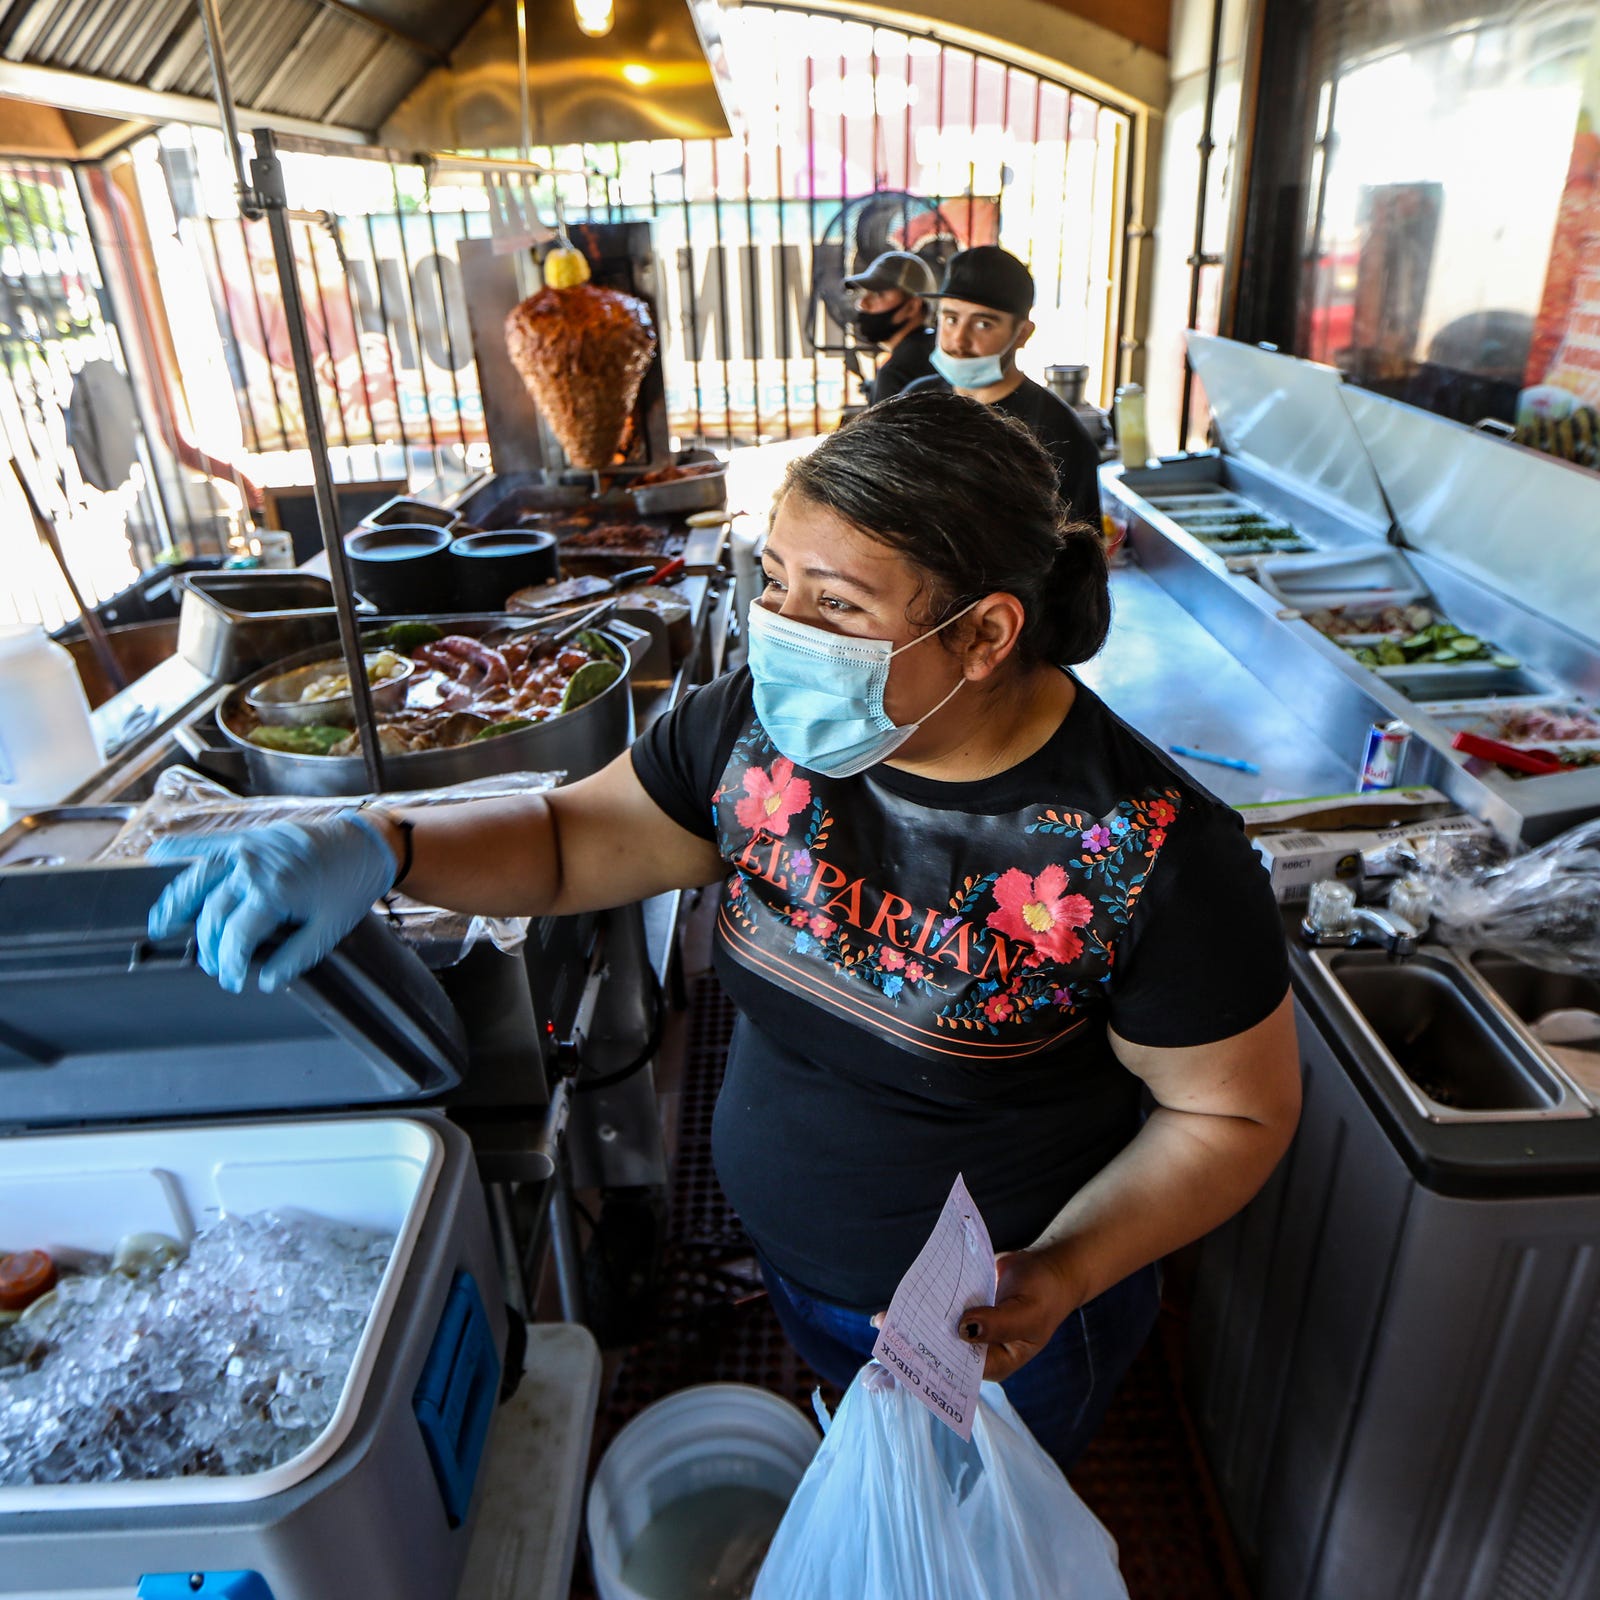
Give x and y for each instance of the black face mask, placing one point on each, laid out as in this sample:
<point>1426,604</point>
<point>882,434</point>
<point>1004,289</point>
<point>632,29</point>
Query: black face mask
<point>877,326</point>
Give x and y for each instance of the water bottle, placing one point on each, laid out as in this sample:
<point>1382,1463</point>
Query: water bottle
<point>1133,434</point>
<point>47,742</point>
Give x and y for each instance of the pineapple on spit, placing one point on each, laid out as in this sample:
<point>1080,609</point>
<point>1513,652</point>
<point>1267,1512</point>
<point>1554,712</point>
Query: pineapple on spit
<point>583,351</point>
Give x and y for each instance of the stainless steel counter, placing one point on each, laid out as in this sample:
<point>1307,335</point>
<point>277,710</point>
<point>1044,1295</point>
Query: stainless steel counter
<point>1163,673</point>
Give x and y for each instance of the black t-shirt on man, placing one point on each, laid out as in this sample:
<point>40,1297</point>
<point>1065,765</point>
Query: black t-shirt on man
<point>925,973</point>
<point>908,361</point>
<point>1057,427</point>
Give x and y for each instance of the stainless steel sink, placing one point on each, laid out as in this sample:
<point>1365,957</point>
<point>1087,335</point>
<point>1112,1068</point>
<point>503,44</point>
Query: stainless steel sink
<point>1454,1055</point>
<point>1531,995</point>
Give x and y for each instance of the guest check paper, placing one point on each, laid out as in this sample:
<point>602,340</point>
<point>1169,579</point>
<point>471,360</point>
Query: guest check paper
<point>919,1342</point>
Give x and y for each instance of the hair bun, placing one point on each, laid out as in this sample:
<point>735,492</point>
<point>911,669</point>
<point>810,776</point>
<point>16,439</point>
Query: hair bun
<point>968,495</point>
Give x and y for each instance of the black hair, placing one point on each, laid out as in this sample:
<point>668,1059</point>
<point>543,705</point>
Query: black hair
<point>968,495</point>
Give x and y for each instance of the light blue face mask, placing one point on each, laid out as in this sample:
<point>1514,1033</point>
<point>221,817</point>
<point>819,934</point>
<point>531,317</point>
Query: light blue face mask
<point>969,372</point>
<point>819,695</point>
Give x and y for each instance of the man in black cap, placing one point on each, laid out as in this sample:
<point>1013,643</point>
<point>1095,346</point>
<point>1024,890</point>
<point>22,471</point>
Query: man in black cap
<point>982,321</point>
<point>891,299</point>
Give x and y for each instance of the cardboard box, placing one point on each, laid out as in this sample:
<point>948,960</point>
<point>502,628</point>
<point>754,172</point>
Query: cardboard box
<point>1299,859</point>
<point>1373,810</point>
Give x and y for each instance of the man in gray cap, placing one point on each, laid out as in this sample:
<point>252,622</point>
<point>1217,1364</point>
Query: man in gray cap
<point>984,308</point>
<point>892,313</point>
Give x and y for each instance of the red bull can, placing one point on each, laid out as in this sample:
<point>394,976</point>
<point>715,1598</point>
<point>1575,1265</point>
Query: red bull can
<point>1384,755</point>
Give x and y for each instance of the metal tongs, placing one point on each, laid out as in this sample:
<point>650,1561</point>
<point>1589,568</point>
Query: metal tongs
<point>594,617</point>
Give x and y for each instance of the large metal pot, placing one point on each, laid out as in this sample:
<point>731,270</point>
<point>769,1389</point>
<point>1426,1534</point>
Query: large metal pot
<point>577,742</point>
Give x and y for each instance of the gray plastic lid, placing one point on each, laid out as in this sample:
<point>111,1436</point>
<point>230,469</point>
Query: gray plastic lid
<point>100,1026</point>
<point>1285,415</point>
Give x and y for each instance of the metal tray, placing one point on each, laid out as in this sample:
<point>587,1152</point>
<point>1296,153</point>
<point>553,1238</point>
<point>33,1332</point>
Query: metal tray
<point>231,623</point>
<point>403,511</point>
<point>61,836</point>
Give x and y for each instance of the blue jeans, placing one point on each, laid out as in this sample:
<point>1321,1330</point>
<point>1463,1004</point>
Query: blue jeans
<point>1062,1393</point>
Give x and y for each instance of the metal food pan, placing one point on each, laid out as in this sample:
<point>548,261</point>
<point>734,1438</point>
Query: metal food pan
<point>403,511</point>
<point>61,835</point>
<point>1486,718</point>
<point>231,623</point>
<point>1431,682</point>
<point>708,491</point>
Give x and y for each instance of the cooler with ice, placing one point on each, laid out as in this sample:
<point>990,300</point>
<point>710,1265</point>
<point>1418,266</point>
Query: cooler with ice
<point>137,1097</point>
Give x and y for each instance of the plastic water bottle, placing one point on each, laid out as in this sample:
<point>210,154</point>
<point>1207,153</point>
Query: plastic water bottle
<point>47,742</point>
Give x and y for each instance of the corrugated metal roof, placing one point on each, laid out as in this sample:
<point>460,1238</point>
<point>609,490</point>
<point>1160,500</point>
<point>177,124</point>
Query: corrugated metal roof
<point>295,58</point>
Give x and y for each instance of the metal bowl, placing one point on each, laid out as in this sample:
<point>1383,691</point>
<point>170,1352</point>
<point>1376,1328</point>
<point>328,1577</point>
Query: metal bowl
<point>277,702</point>
<point>577,742</point>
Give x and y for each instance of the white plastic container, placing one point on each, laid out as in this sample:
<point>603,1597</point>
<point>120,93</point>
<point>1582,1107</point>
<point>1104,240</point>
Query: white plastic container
<point>83,1191</point>
<point>47,742</point>
<point>710,1436</point>
<point>379,1504</point>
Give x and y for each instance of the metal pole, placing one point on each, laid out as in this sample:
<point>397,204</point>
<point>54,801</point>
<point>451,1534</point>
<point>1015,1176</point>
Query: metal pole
<point>1197,257</point>
<point>524,89</point>
<point>270,193</point>
<point>211,20</point>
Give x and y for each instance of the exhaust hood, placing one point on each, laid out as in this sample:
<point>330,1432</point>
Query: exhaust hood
<point>658,73</point>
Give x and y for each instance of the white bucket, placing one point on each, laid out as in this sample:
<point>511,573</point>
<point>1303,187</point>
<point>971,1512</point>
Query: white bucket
<point>713,1435</point>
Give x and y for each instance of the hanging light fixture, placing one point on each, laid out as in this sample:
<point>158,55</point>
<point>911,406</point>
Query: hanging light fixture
<point>595,17</point>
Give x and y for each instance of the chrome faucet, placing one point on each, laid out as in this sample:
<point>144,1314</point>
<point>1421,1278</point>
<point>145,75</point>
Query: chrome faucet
<point>1334,919</point>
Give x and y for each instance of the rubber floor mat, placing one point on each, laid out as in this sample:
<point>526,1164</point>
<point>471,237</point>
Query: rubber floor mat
<point>1143,1476</point>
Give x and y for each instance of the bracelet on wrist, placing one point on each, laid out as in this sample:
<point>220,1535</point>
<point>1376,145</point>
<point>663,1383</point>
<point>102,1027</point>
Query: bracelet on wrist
<point>406,828</point>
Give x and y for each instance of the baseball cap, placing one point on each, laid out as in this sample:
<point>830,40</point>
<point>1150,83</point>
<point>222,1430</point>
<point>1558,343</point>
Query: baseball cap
<point>988,276</point>
<point>896,269</point>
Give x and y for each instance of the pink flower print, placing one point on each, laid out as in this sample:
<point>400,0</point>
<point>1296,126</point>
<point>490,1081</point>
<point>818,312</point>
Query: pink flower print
<point>800,863</point>
<point>1158,837</point>
<point>1097,839</point>
<point>890,959</point>
<point>998,1007</point>
<point>915,972</point>
<point>1039,912</point>
<point>823,927</point>
<point>771,802</point>
<point>799,916</point>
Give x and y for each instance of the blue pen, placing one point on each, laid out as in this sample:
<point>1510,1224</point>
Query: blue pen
<point>1220,761</point>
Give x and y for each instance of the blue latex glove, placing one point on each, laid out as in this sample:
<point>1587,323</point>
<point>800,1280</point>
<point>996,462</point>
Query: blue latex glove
<point>319,878</point>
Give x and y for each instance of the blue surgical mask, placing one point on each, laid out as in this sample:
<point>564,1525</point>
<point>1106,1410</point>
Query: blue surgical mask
<point>819,695</point>
<point>968,372</point>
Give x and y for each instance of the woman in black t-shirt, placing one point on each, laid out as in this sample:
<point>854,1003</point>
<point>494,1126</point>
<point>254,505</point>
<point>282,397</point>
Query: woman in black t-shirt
<point>970,919</point>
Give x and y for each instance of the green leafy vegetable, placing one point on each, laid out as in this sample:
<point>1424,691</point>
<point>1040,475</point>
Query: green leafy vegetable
<point>600,644</point>
<point>591,679</point>
<point>316,739</point>
<point>511,725</point>
<point>406,636</point>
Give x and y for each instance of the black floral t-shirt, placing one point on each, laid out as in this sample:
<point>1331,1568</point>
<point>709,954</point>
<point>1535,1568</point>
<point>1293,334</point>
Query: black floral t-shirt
<point>925,974</point>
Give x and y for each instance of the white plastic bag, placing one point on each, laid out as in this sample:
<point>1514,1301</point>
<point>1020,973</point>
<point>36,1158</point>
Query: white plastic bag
<point>1542,907</point>
<point>188,802</point>
<point>895,1507</point>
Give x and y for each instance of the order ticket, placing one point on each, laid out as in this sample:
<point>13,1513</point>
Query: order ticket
<point>919,1341</point>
